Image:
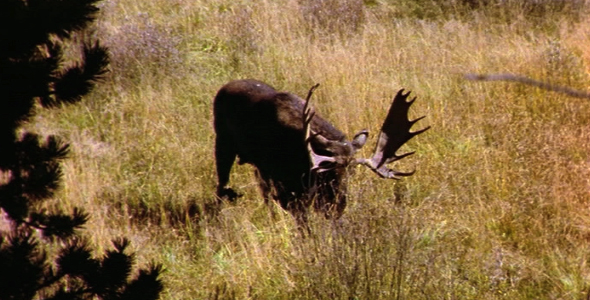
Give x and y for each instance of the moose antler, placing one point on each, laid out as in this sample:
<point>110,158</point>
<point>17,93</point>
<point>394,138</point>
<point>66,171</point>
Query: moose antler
<point>308,113</point>
<point>394,133</point>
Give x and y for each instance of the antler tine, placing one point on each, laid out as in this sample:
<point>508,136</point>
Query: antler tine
<point>308,113</point>
<point>311,90</point>
<point>385,172</point>
<point>417,119</point>
<point>395,132</point>
<point>397,157</point>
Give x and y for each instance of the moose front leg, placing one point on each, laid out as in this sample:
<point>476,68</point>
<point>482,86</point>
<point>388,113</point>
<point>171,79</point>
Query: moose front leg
<point>225,155</point>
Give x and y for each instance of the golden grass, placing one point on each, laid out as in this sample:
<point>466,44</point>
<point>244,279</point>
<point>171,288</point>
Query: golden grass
<point>498,208</point>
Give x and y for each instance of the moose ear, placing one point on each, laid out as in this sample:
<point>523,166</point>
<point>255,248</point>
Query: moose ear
<point>360,139</point>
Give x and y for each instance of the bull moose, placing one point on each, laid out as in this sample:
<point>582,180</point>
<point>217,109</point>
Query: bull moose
<point>300,159</point>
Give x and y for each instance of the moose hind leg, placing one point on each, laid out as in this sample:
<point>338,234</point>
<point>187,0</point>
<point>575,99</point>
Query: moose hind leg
<point>298,209</point>
<point>225,155</point>
<point>264,184</point>
<point>266,188</point>
<point>300,215</point>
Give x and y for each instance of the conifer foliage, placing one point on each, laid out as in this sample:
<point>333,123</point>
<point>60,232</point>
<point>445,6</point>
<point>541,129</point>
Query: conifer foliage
<point>41,252</point>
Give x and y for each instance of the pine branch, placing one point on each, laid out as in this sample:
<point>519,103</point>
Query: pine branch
<point>77,81</point>
<point>76,260</point>
<point>32,35</point>
<point>55,148</point>
<point>23,266</point>
<point>39,20</point>
<point>13,201</point>
<point>116,266</point>
<point>147,285</point>
<point>59,225</point>
<point>67,17</point>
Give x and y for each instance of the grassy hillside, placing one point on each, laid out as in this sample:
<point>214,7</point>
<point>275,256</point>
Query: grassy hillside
<point>499,205</point>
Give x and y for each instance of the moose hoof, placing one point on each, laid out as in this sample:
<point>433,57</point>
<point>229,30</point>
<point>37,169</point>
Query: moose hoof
<point>228,194</point>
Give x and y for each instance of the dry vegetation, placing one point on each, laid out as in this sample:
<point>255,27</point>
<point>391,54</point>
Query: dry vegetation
<point>499,206</point>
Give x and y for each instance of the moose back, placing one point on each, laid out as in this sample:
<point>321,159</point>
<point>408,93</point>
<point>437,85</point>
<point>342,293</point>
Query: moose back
<point>300,159</point>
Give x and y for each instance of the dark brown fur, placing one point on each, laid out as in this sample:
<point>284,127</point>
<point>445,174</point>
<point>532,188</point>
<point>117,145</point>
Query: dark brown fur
<point>264,128</point>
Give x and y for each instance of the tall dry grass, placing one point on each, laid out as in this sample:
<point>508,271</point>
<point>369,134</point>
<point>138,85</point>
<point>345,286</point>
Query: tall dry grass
<point>498,208</point>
